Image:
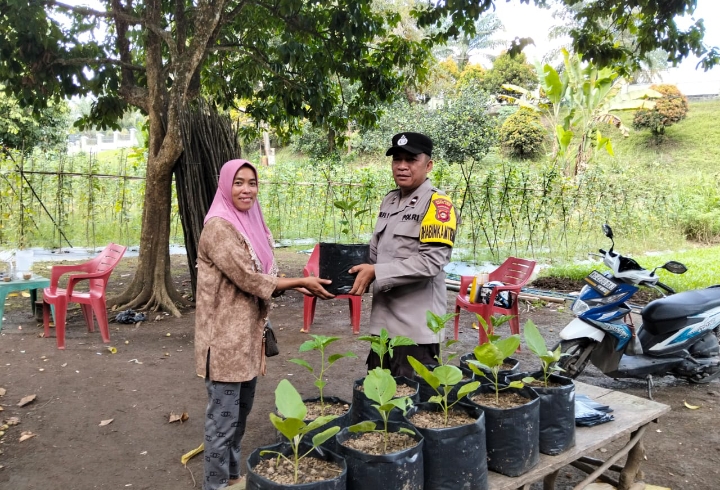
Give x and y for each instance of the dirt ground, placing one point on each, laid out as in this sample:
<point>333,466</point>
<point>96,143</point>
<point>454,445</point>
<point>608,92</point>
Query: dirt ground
<point>152,374</point>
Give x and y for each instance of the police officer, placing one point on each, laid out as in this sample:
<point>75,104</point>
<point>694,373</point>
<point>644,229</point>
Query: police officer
<point>411,245</point>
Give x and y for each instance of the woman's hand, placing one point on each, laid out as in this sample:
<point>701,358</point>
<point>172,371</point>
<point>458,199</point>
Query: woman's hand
<point>314,285</point>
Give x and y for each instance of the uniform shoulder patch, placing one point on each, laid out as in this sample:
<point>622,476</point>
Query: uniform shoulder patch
<point>440,222</point>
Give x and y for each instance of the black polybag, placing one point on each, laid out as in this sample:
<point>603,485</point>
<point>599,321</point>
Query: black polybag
<point>589,413</point>
<point>399,470</point>
<point>557,413</point>
<point>513,434</point>
<point>336,260</point>
<point>467,468</point>
<point>257,482</point>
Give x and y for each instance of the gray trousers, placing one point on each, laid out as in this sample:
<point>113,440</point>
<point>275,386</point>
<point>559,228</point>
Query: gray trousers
<point>229,405</point>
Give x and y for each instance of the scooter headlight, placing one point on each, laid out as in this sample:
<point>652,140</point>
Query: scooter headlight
<point>579,307</point>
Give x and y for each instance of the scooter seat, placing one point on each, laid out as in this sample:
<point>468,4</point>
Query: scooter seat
<point>678,307</point>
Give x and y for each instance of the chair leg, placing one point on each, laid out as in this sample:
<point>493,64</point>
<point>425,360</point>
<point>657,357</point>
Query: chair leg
<point>515,324</point>
<point>308,313</point>
<point>457,321</point>
<point>88,315</point>
<point>60,315</point>
<point>355,310</point>
<point>98,307</point>
<point>482,335</point>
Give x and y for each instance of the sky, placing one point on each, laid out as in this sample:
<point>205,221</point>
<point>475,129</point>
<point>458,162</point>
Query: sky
<point>530,21</point>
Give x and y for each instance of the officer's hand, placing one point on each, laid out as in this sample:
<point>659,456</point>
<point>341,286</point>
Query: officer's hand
<point>365,276</point>
<point>314,285</point>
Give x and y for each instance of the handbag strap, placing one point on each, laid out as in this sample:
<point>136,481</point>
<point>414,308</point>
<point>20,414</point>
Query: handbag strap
<point>263,366</point>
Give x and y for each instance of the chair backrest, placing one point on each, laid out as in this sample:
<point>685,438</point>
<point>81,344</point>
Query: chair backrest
<point>514,271</point>
<point>313,264</point>
<point>106,262</point>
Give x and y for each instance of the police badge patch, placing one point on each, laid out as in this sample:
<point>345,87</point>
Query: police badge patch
<point>440,221</point>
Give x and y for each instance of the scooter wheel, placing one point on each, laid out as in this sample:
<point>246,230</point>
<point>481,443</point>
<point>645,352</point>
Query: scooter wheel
<point>577,356</point>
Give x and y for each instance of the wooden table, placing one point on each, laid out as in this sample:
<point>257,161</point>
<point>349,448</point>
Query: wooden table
<point>32,284</point>
<point>632,415</point>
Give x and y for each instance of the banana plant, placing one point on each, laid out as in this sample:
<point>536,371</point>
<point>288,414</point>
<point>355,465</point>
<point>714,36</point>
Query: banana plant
<point>292,424</point>
<point>578,101</point>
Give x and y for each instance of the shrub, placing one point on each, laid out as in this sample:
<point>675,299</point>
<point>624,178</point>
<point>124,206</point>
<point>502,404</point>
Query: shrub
<point>672,107</point>
<point>522,134</point>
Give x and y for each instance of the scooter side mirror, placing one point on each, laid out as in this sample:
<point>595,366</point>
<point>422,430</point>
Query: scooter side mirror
<point>675,267</point>
<point>608,231</point>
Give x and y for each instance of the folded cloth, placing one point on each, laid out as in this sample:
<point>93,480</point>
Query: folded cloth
<point>589,412</point>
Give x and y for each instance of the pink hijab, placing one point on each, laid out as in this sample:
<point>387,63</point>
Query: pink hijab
<point>250,224</point>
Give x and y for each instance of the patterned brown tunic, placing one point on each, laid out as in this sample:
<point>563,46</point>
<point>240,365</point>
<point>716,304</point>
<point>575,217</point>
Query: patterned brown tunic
<point>231,305</point>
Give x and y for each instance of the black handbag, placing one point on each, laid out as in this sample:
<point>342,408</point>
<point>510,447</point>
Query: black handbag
<point>270,345</point>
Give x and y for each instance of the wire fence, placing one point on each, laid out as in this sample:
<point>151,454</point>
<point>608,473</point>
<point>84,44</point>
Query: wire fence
<point>505,210</point>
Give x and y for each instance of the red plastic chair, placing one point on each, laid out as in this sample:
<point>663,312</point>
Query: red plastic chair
<point>514,273</point>
<point>313,268</point>
<point>96,271</point>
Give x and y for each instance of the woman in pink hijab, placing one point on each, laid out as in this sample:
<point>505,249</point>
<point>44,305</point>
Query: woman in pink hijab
<point>237,275</point>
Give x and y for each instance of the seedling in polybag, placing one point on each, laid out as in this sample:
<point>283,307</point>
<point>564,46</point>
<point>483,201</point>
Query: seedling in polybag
<point>548,359</point>
<point>491,357</point>
<point>447,377</point>
<point>320,343</point>
<point>289,404</point>
<point>380,387</point>
<point>382,344</point>
<point>436,323</point>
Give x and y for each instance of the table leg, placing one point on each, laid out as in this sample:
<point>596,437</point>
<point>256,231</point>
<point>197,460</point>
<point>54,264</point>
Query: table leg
<point>634,440</point>
<point>33,299</point>
<point>549,480</point>
<point>632,465</point>
<point>3,296</point>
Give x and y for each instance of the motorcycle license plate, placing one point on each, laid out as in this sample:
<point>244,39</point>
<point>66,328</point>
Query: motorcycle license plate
<point>600,283</point>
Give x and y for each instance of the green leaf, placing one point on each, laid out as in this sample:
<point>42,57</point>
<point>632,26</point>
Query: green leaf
<point>508,346</point>
<point>468,388</point>
<point>288,401</point>
<point>289,427</point>
<point>379,386</point>
<point>424,372</point>
<point>534,339</point>
<point>516,384</point>
<point>323,436</point>
<point>303,363</point>
<point>448,375</point>
<point>319,422</point>
<point>364,426</point>
<point>488,355</point>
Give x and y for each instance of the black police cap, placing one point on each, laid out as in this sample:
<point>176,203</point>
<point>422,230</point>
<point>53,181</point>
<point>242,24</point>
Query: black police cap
<point>414,143</point>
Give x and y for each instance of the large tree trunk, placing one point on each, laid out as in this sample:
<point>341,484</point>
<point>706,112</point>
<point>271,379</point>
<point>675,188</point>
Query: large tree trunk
<point>152,287</point>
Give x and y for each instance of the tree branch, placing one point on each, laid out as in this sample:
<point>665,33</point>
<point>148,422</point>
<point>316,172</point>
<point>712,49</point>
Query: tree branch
<point>97,61</point>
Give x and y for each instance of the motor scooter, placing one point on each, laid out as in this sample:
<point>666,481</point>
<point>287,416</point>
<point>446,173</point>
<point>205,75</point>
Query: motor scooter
<point>678,335</point>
